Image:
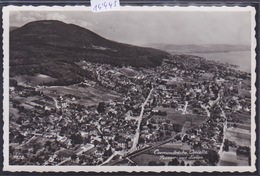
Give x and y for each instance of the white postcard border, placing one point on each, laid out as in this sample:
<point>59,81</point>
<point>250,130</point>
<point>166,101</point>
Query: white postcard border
<point>189,169</point>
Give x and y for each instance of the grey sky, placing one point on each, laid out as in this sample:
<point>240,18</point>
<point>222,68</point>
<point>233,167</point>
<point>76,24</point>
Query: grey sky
<point>142,28</point>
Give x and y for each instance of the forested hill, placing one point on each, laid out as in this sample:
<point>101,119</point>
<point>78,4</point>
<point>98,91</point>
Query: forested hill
<point>52,47</point>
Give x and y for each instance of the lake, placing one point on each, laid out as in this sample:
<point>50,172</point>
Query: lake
<point>240,58</point>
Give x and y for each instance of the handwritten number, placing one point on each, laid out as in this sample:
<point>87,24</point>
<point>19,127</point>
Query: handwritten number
<point>99,7</point>
<point>110,4</point>
<point>105,5</point>
<point>95,8</point>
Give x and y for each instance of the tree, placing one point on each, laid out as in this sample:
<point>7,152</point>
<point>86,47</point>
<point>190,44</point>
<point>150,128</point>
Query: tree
<point>95,142</point>
<point>74,157</point>
<point>185,138</point>
<point>168,133</point>
<point>11,150</point>
<point>76,138</point>
<point>174,162</point>
<point>182,163</point>
<point>47,143</point>
<point>152,163</point>
<point>212,157</point>
<point>117,137</point>
<point>20,138</point>
<point>197,163</point>
<point>226,145</point>
<point>141,141</point>
<point>178,137</point>
<point>150,126</point>
<point>108,152</point>
<point>13,83</point>
<point>161,164</point>
<point>101,107</point>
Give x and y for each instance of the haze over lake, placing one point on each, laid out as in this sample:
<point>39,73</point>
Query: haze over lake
<point>240,58</point>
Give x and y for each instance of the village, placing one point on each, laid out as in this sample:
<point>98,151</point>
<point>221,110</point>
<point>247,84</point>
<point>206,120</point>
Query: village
<point>180,103</point>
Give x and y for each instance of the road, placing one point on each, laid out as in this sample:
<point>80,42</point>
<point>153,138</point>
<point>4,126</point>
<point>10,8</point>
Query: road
<point>112,156</point>
<point>56,102</point>
<point>215,101</point>
<point>64,161</point>
<point>21,145</point>
<point>224,134</point>
<point>85,149</point>
<point>185,107</point>
<point>134,153</point>
<point>137,134</point>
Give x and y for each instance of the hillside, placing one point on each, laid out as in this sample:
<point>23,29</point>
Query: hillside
<point>52,48</point>
<point>13,28</point>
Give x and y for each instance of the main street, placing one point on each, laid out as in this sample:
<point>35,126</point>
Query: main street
<point>137,134</point>
<point>220,152</point>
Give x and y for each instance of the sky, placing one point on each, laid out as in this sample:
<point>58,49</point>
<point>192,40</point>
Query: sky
<point>153,27</point>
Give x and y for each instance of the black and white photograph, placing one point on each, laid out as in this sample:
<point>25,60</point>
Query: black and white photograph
<point>139,89</point>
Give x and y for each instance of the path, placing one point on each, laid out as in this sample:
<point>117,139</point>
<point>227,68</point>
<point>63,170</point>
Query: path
<point>56,102</point>
<point>184,111</point>
<point>112,156</point>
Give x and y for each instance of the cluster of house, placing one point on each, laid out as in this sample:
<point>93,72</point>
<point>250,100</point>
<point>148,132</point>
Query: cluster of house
<point>111,126</point>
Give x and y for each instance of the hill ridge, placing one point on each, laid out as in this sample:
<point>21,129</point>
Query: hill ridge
<point>53,47</point>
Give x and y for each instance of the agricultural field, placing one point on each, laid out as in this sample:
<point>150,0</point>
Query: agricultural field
<point>128,72</point>
<point>144,159</point>
<point>36,141</point>
<point>88,95</point>
<point>177,117</point>
<point>65,152</point>
<point>14,113</point>
<point>35,80</point>
<point>244,117</point>
<point>30,102</point>
<point>239,137</point>
<point>231,159</point>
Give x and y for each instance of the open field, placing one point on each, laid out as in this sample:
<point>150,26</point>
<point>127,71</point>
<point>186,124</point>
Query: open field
<point>144,159</point>
<point>245,117</point>
<point>245,93</point>
<point>34,80</point>
<point>14,112</point>
<point>240,138</point>
<point>206,76</point>
<point>37,141</point>
<point>177,117</point>
<point>65,153</point>
<point>128,72</point>
<point>231,159</point>
<point>31,102</point>
<point>88,95</point>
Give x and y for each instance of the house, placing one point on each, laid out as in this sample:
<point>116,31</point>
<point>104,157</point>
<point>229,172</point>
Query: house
<point>145,129</point>
<point>99,152</point>
<point>122,143</point>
